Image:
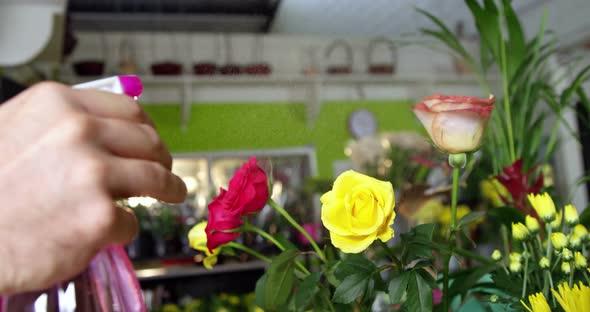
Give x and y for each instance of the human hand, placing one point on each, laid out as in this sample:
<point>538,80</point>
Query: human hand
<point>66,155</point>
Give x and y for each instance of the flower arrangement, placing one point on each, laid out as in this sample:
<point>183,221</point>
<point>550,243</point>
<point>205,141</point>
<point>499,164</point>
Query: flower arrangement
<point>542,263</point>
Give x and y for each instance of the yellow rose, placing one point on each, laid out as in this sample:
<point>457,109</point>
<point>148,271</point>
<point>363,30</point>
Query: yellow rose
<point>357,211</point>
<point>198,240</point>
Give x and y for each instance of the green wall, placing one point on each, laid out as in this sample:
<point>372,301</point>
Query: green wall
<point>214,127</point>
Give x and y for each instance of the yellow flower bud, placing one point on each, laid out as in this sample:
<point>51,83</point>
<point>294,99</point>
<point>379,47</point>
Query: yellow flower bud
<point>580,261</point>
<point>515,266</point>
<point>544,263</point>
<point>543,205</point>
<point>556,223</point>
<point>532,224</point>
<point>496,255</point>
<point>567,254</point>
<point>575,241</point>
<point>581,231</point>
<point>559,240</point>
<point>519,231</point>
<point>566,268</point>
<point>515,257</point>
<point>570,214</point>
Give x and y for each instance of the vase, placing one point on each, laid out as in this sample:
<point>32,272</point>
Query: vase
<point>108,284</point>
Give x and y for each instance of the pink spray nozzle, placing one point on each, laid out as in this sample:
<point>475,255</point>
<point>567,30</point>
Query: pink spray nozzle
<point>131,85</point>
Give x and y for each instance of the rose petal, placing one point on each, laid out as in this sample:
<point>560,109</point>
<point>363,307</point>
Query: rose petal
<point>457,132</point>
<point>351,244</point>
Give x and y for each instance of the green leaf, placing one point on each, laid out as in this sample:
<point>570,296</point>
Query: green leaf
<point>487,23</point>
<point>329,269</point>
<point>397,287</point>
<point>516,42</point>
<point>419,294</point>
<point>470,217</point>
<point>307,290</point>
<point>280,237</point>
<point>321,300</point>
<point>259,290</point>
<point>506,215</point>
<point>352,287</point>
<point>585,215</point>
<point>281,275</point>
<point>463,283</point>
<point>510,284</point>
<point>424,230</point>
<point>581,77</point>
<point>446,36</point>
<point>354,264</point>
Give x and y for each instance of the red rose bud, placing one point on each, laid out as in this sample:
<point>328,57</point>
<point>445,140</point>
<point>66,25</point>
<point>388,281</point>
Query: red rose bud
<point>248,189</point>
<point>221,220</point>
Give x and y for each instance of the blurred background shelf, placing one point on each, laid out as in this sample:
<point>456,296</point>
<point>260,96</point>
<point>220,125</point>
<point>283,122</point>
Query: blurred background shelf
<point>151,273</point>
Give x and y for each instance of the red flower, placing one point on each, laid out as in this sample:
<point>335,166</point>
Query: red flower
<point>248,189</point>
<point>221,220</point>
<point>247,193</point>
<point>519,185</point>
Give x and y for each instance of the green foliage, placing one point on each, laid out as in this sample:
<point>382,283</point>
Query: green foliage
<point>419,293</point>
<point>417,243</point>
<point>306,290</point>
<point>517,125</point>
<point>274,287</point>
<point>506,215</point>
<point>397,287</point>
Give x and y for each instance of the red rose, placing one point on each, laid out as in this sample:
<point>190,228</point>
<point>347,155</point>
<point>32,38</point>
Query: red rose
<point>221,220</point>
<point>248,189</point>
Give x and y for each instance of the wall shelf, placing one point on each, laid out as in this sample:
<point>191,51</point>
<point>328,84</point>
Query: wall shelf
<point>312,85</point>
<point>180,271</point>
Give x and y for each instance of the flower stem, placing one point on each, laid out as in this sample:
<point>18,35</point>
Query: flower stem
<point>525,274</point>
<point>548,254</point>
<point>451,238</point>
<point>390,254</point>
<point>454,202</point>
<point>571,281</point>
<point>296,225</point>
<point>249,227</point>
<point>248,250</point>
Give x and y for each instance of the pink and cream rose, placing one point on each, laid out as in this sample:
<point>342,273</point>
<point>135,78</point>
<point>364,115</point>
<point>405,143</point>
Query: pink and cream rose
<point>455,123</point>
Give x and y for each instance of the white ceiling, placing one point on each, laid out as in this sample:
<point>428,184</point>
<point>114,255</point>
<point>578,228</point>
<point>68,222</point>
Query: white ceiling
<point>398,18</point>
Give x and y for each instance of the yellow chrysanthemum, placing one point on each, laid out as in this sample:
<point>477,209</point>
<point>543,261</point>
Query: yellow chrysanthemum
<point>581,231</point>
<point>580,261</point>
<point>559,240</point>
<point>538,303</point>
<point>566,268</point>
<point>515,266</point>
<point>556,223</point>
<point>493,191</point>
<point>570,214</point>
<point>567,254</point>
<point>543,205</point>
<point>515,256</point>
<point>519,231</point>
<point>576,299</point>
<point>532,224</point>
<point>198,240</point>
<point>496,255</point>
<point>575,241</point>
<point>544,263</point>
